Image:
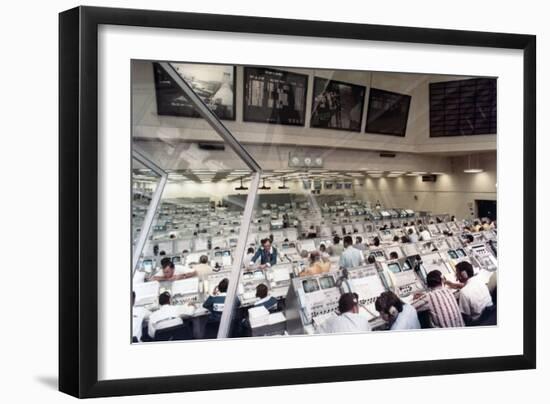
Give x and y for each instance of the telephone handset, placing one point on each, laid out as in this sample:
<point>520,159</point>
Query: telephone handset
<point>389,279</point>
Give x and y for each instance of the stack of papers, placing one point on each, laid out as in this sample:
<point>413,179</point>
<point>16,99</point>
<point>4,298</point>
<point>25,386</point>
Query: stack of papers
<point>258,316</point>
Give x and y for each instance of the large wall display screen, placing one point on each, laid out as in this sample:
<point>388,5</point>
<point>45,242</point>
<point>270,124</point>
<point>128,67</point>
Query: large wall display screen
<point>387,112</point>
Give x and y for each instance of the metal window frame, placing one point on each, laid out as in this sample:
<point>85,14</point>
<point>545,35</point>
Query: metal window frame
<point>153,206</point>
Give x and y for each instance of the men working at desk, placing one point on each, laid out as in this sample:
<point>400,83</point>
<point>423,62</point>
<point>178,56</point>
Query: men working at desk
<point>139,315</point>
<point>165,317</point>
<point>269,302</point>
<point>266,253</point>
<point>216,301</point>
<point>203,269</point>
<point>349,319</point>
<point>316,265</point>
<point>474,297</point>
<point>351,257</point>
<point>399,315</point>
<point>440,303</point>
<point>169,272</point>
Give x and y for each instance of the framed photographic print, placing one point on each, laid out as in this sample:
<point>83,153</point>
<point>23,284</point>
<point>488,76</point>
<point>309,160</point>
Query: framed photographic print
<point>388,112</point>
<point>214,84</point>
<point>178,247</point>
<point>337,105</point>
<point>274,96</point>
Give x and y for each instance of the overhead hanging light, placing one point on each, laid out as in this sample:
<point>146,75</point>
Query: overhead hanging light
<point>263,185</point>
<point>470,169</point>
<point>284,185</point>
<point>241,187</point>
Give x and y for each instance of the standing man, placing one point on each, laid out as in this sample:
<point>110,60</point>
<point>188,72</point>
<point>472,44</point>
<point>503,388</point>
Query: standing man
<point>267,255</point>
<point>351,257</point>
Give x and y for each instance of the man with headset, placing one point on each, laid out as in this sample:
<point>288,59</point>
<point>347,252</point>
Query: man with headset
<point>349,319</point>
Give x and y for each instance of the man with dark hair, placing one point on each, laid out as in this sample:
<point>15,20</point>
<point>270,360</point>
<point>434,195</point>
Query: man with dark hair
<point>376,241</point>
<point>165,317</point>
<point>216,301</point>
<point>469,239</point>
<point>474,296</point>
<point>349,319</point>
<point>139,315</point>
<point>266,253</point>
<point>269,302</point>
<point>371,259</point>
<point>359,243</point>
<point>336,248</point>
<point>413,237</point>
<point>169,272</point>
<point>351,257</point>
<point>440,303</point>
<point>399,315</point>
<point>394,255</point>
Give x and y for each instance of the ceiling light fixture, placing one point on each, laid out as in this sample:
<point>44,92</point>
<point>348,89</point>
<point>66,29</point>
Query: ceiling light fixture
<point>241,187</point>
<point>470,169</point>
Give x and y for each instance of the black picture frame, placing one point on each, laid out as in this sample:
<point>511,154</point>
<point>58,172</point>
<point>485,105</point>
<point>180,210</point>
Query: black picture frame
<point>189,111</point>
<point>267,115</point>
<point>373,113</point>
<point>78,200</point>
<point>357,90</point>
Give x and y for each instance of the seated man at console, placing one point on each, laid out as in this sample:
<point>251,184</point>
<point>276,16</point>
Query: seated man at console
<point>399,315</point>
<point>336,248</point>
<point>359,243</point>
<point>139,315</point>
<point>269,302</point>
<point>169,272</point>
<point>424,234</point>
<point>216,301</point>
<point>413,237</point>
<point>351,257</point>
<point>439,302</point>
<point>266,253</point>
<point>474,297</point>
<point>349,319</point>
<point>316,265</point>
<point>165,317</point>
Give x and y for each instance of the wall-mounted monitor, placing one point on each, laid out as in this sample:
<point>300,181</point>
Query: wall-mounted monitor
<point>274,96</point>
<point>387,112</point>
<point>337,105</point>
<point>214,84</point>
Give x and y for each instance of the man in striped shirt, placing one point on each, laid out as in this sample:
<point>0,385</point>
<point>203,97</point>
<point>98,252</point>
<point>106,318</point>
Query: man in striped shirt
<point>440,303</point>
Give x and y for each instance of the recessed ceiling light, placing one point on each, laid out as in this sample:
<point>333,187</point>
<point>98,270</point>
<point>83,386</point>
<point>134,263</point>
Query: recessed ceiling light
<point>438,173</point>
<point>473,170</point>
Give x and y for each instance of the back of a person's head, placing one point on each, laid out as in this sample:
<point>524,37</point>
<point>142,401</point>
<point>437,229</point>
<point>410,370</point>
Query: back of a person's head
<point>395,238</point>
<point>167,263</point>
<point>466,267</point>
<point>336,239</point>
<point>261,291</point>
<point>376,241</point>
<point>203,259</point>
<point>433,279</point>
<point>164,298</point>
<point>222,286</point>
<point>388,302</point>
<point>348,240</point>
<point>164,262</point>
<point>470,238</point>
<point>410,231</point>
<point>315,256</point>
<point>371,259</point>
<point>421,228</point>
<point>394,255</point>
<point>359,239</point>
<point>347,302</point>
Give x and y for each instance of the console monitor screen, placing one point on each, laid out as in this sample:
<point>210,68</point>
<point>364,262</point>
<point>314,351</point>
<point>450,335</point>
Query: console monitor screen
<point>310,285</point>
<point>407,265</point>
<point>148,265</point>
<point>453,254</point>
<point>259,274</point>
<point>394,267</point>
<point>460,252</point>
<point>378,253</point>
<point>226,253</point>
<point>327,282</point>
<point>247,276</point>
<point>218,253</point>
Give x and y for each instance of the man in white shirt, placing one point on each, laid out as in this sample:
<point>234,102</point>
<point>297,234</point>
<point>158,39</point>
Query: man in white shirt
<point>165,317</point>
<point>202,269</point>
<point>424,234</point>
<point>413,237</point>
<point>349,319</point>
<point>139,315</point>
<point>351,257</point>
<point>474,296</point>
